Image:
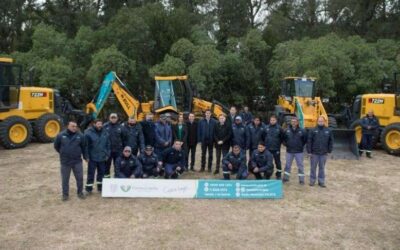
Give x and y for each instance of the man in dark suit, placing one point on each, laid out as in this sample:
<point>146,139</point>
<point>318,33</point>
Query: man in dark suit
<point>205,134</point>
<point>191,141</point>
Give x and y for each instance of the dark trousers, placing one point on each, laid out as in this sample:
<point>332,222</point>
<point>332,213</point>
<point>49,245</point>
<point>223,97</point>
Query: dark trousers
<point>92,167</point>
<point>171,172</point>
<point>277,159</point>
<point>192,151</point>
<point>112,159</point>
<point>366,143</point>
<point>259,175</point>
<point>220,149</point>
<point>77,169</point>
<point>148,172</point>
<point>241,173</point>
<point>204,148</point>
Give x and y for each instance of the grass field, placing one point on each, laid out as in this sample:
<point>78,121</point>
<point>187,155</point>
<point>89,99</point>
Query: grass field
<point>360,209</point>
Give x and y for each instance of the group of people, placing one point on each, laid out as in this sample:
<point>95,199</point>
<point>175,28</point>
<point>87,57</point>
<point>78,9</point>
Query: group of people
<point>152,149</point>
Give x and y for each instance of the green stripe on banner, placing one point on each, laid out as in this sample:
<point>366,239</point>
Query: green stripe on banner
<point>239,189</point>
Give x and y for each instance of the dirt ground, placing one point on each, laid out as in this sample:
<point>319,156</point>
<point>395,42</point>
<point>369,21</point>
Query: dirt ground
<point>359,210</point>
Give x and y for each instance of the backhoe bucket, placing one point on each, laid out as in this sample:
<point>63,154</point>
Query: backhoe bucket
<point>345,144</point>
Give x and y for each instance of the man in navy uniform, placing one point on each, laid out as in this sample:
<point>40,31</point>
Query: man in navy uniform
<point>174,160</point>
<point>127,165</point>
<point>273,137</point>
<point>370,126</point>
<point>235,163</point>
<point>151,165</point>
<point>261,162</point>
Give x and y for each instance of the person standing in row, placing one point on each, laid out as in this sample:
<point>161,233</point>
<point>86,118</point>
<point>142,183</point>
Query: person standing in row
<point>273,138</point>
<point>222,140</point>
<point>246,115</point>
<point>117,138</point>
<point>231,117</point>
<point>133,136</point>
<point>149,130</point>
<point>191,141</point>
<point>255,134</point>
<point>239,134</point>
<point>206,138</point>
<point>70,145</point>
<point>97,152</point>
<point>163,134</point>
<point>295,138</point>
<point>370,126</point>
<point>319,145</point>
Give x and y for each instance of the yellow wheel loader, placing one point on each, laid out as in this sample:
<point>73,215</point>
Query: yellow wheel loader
<point>298,99</point>
<point>26,111</point>
<point>386,107</point>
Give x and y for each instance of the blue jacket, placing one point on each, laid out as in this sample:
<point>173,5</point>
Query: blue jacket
<point>203,135</point>
<point>320,141</point>
<point>262,160</point>
<point>70,146</point>
<point>97,145</point>
<point>239,136</point>
<point>174,157</point>
<point>163,134</point>
<point>149,162</point>
<point>237,161</point>
<point>125,167</point>
<point>247,117</point>
<point>295,140</point>
<point>367,121</point>
<point>133,136</point>
<point>117,136</point>
<point>254,135</point>
<point>149,132</point>
<point>273,137</point>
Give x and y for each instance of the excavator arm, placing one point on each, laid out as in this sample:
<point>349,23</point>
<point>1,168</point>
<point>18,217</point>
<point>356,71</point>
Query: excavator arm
<point>200,106</point>
<point>111,82</point>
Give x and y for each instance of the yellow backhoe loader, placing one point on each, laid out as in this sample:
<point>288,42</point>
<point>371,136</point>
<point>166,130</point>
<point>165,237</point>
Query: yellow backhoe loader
<point>298,99</point>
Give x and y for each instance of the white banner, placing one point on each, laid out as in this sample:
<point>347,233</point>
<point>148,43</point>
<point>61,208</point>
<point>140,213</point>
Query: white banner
<point>150,188</point>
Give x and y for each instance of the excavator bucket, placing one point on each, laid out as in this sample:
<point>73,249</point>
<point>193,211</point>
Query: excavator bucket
<point>345,144</point>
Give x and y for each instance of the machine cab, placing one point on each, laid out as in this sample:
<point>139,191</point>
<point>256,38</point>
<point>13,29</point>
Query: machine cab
<point>298,86</point>
<point>10,82</point>
<point>173,91</point>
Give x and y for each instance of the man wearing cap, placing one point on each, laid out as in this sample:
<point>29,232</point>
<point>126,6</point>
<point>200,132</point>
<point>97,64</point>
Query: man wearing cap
<point>255,134</point>
<point>239,136</point>
<point>205,135</point>
<point>149,130</point>
<point>235,163</point>
<point>117,137</point>
<point>174,161</point>
<point>222,139</point>
<point>127,165</point>
<point>151,166</point>
<point>133,135</point>
<point>294,138</point>
<point>261,162</point>
<point>163,133</point>
<point>319,145</point>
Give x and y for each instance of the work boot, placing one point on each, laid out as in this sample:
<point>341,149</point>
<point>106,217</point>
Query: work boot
<point>216,171</point>
<point>202,169</point>
<point>312,184</point>
<point>209,169</point>
<point>322,185</point>
<point>65,197</point>
<point>227,176</point>
<point>369,155</point>
<point>301,183</point>
<point>360,152</point>
<point>81,196</point>
<point>278,177</point>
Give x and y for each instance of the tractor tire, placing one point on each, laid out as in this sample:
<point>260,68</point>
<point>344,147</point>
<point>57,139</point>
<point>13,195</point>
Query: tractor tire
<point>332,123</point>
<point>47,127</point>
<point>356,125</point>
<point>390,139</point>
<point>15,132</point>
<point>286,121</point>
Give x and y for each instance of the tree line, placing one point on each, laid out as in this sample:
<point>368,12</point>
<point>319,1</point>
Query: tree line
<point>232,50</point>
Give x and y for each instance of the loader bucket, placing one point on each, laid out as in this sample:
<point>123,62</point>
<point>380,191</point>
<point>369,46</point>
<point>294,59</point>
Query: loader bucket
<point>345,144</point>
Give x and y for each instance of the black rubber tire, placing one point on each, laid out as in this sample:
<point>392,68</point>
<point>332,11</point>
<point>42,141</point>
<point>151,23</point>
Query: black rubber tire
<point>394,126</point>
<point>332,123</point>
<point>5,126</point>
<point>40,124</point>
<point>375,138</point>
